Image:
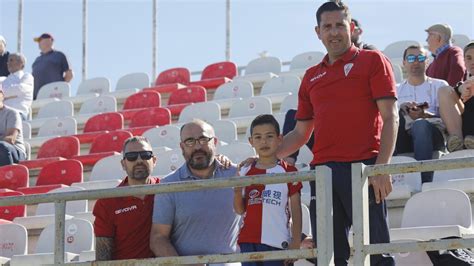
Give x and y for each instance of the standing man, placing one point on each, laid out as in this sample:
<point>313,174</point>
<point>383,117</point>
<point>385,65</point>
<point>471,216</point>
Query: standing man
<point>51,65</point>
<point>12,149</point>
<point>3,57</point>
<point>196,222</point>
<point>448,63</point>
<point>122,225</point>
<point>350,101</point>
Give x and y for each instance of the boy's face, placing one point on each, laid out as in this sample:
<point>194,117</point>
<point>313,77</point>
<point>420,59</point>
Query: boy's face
<point>265,140</point>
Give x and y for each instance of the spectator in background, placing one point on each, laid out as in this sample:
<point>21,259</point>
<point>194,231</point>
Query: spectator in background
<point>448,63</point>
<point>355,37</point>
<point>3,57</point>
<point>51,65</point>
<point>12,149</point>
<point>18,86</point>
<point>420,130</point>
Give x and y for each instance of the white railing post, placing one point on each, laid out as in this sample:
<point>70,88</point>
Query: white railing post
<point>324,218</point>
<point>360,214</point>
<point>60,220</point>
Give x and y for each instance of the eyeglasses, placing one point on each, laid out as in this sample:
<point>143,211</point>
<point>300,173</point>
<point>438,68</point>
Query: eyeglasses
<point>133,155</point>
<point>192,141</point>
<point>412,58</point>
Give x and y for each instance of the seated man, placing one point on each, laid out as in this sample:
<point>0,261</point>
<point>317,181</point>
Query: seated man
<point>12,149</point>
<point>421,129</point>
<point>18,86</point>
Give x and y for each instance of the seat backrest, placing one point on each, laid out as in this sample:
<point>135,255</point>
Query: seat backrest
<point>190,94</point>
<point>61,108</point>
<point>108,168</point>
<point>98,85</point>
<point>111,141</point>
<point>155,116</point>
<point>72,207</point>
<point>220,70</point>
<point>251,107</point>
<point>463,173</point>
<point>14,176</point>
<point>14,240</point>
<point>101,104</point>
<point>306,220</point>
<point>58,126</point>
<point>174,75</point>
<point>438,207</point>
<point>290,102</point>
<point>237,151</point>
<point>79,236</point>
<point>413,180</point>
<point>106,121</point>
<point>461,40</point>
<point>306,60</point>
<point>26,130</point>
<point>142,99</point>
<point>138,80</point>
<point>397,72</point>
<point>168,136</point>
<point>207,111</point>
<point>234,89</point>
<point>65,146</point>
<point>11,212</point>
<point>225,130</point>
<point>264,65</point>
<point>58,89</point>
<point>395,49</point>
<point>282,84</point>
<point>168,161</point>
<point>60,172</point>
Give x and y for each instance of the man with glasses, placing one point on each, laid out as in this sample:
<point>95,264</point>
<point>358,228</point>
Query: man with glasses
<point>198,222</point>
<point>122,225</point>
<point>420,129</point>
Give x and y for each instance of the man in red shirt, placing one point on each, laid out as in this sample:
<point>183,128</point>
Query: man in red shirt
<point>349,99</point>
<point>122,225</point>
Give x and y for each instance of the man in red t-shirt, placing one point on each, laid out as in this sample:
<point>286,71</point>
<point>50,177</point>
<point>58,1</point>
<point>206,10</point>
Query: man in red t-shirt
<point>122,225</point>
<point>349,99</point>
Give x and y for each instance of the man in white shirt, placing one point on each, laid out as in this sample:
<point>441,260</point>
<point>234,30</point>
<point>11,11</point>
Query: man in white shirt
<point>421,129</point>
<point>18,86</point>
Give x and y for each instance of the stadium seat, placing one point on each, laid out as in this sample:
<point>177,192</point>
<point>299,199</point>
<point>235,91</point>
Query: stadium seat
<point>168,136</point>
<point>14,240</point>
<point>303,61</point>
<point>289,102</point>
<point>244,111</point>
<point>130,84</point>
<point>54,127</point>
<point>51,92</point>
<point>260,70</point>
<point>167,162</point>
<point>183,97</point>
<point>207,111</point>
<point>140,100</point>
<point>460,40</point>
<point>237,151</point>
<point>104,145</point>
<point>96,105</point>
<point>171,80</point>
<point>72,207</point>
<point>100,123</point>
<point>11,212</point>
<point>394,50</point>
<point>53,150</point>
<point>226,94</point>
<point>13,176</point>
<point>225,130</point>
<point>276,89</point>
<point>151,117</point>
<point>56,109</point>
<point>99,85</point>
<point>404,185</point>
<point>106,173</point>
<point>216,74</point>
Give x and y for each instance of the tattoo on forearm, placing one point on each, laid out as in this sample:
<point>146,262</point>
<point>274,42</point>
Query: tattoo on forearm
<point>103,248</point>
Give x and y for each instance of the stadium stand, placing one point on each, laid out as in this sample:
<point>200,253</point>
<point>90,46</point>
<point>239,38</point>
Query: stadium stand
<point>13,176</point>
<point>228,93</point>
<point>54,149</point>
<point>171,80</point>
<point>260,70</point>
<point>216,74</point>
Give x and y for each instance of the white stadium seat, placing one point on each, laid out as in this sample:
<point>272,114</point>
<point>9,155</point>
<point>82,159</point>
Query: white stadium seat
<point>290,102</point>
<point>244,111</point>
<point>276,89</point>
<point>394,50</point>
<point>207,111</point>
<point>260,70</point>
<point>56,109</point>
<point>227,93</point>
<point>404,184</point>
<point>460,40</point>
<point>51,92</point>
<point>96,105</point>
<point>54,127</point>
<point>100,85</point>
<point>13,240</point>
<point>138,81</point>
<point>72,207</point>
<point>168,162</point>
<point>168,136</point>
<point>237,151</point>
<point>301,62</point>
<point>225,130</point>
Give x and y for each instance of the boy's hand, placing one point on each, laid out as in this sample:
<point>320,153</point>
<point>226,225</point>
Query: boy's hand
<point>248,162</point>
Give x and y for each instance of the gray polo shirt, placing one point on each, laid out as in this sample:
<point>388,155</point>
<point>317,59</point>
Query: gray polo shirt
<point>49,67</point>
<point>10,118</point>
<point>203,222</point>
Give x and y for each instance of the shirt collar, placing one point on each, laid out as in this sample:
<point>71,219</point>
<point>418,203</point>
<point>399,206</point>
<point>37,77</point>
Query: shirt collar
<point>18,74</point>
<point>346,57</point>
<point>185,173</point>
<point>441,49</point>
<point>150,181</point>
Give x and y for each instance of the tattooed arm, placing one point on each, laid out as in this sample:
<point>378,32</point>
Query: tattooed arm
<point>104,247</point>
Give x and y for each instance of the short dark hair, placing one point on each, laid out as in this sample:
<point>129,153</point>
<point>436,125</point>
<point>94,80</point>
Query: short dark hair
<point>264,120</point>
<point>415,46</point>
<point>469,46</point>
<point>356,23</point>
<point>139,139</point>
<point>333,6</point>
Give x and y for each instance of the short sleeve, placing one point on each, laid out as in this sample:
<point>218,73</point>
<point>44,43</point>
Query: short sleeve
<point>14,120</point>
<point>164,209</point>
<point>305,108</point>
<point>103,223</point>
<point>382,80</point>
<point>64,63</point>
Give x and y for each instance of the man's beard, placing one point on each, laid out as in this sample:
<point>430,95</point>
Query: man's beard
<point>141,174</point>
<point>202,164</point>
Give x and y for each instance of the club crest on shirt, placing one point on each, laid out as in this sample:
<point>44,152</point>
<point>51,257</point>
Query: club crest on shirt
<point>347,68</point>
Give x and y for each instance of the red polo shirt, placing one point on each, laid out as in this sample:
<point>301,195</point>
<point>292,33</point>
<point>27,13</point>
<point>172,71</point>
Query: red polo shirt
<point>341,98</point>
<point>128,221</point>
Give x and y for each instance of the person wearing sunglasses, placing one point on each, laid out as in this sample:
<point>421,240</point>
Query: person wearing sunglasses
<point>420,130</point>
<point>122,225</point>
<point>196,222</point>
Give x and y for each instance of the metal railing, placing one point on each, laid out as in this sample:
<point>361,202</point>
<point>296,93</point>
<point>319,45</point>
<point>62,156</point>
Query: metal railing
<point>322,176</point>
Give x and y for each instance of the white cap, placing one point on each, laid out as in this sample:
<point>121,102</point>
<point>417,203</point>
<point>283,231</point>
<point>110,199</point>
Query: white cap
<point>2,39</point>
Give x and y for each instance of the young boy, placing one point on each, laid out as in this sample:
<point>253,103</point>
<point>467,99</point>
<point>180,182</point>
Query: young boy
<point>266,208</point>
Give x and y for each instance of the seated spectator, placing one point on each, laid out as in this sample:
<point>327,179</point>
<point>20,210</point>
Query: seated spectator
<point>420,130</point>
<point>460,119</point>
<point>3,57</point>
<point>12,149</point>
<point>18,86</point>
<point>448,63</point>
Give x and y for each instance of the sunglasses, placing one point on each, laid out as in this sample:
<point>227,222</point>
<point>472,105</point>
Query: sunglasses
<point>133,155</point>
<point>412,58</point>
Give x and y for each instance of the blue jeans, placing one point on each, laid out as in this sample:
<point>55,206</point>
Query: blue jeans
<point>252,247</point>
<point>9,154</point>
<point>424,139</point>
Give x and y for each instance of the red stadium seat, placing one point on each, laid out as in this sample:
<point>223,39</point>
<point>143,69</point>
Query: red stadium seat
<point>53,150</point>
<point>11,212</point>
<point>3,221</point>
<point>171,80</point>
<point>216,74</point>
<point>100,123</point>
<point>13,176</point>
<point>183,97</point>
<point>157,116</point>
<point>140,100</point>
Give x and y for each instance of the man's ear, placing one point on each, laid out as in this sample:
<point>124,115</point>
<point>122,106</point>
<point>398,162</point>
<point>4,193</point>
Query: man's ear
<point>317,30</point>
